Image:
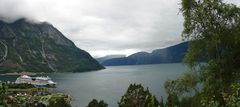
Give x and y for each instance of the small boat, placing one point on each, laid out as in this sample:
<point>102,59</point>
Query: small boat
<point>36,81</point>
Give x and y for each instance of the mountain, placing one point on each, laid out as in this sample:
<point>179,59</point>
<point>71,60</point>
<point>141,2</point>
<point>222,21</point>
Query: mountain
<point>40,47</point>
<point>172,54</point>
<point>102,59</point>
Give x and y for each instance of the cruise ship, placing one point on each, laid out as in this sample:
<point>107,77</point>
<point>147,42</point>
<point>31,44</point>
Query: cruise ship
<point>36,81</point>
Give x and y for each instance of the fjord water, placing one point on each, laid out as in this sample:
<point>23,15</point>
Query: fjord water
<point>111,83</point>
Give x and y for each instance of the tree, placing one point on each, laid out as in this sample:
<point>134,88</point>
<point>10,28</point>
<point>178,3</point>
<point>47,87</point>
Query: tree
<point>183,84</point>
<point>137,96</point>
<point>213,29</point>
<point>181,88</point>
<point>95,103</point>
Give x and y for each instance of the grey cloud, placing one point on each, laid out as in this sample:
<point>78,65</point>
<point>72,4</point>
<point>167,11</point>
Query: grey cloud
<point>106,26</point>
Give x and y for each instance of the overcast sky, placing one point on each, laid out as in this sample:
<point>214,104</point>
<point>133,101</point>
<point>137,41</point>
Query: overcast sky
<point>104,27</point>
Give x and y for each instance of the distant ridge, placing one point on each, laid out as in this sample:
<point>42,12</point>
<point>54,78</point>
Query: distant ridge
<point>172,54</point>
<point>102,59</point>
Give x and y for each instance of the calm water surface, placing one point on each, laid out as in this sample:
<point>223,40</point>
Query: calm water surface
<point>111,83</point>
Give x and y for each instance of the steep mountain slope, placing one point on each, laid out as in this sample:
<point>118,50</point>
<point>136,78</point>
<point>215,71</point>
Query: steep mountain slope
<point>172,54</point>
<point>40,48</point>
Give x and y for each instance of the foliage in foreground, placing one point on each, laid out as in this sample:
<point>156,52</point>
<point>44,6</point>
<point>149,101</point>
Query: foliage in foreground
<point>213,29</point>
<point>95,103</point>
<point>137,96</point>
<point>180,91</point>
<point>59,101</point>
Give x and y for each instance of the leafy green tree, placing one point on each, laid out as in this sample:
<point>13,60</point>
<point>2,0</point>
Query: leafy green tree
<point>213,29</point>
<point>183,84</point>
<point>137,96</point>
<point>181,88</point>
<point>95,103</point>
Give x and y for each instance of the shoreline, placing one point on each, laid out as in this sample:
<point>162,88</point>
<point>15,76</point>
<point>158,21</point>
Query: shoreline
<point>34,74</point>
<point>21,73</point>
<point>33,95</point>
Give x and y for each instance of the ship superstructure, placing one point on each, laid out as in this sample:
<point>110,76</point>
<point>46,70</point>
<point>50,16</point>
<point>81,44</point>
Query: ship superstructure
<point>36,81</point>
